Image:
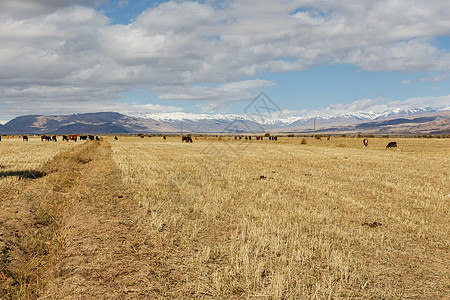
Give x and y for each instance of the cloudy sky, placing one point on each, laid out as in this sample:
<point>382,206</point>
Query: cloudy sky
<point>73,56</point>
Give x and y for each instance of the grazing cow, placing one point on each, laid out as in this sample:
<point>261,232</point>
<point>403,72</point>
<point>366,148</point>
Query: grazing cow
<point>54,138</point>
<point>25,138</point>
<point>318,138</point>
<point>276,138</point>
<point>250,138</point>
<point>188,139</point>
<point>0,138</point>
<point>392,145</point>
<point>164,137</point>
<point>365,142</point>
<point>97,138</point>
<point>73,137</point>
<point>83,137</point>
<point>46,138</point>
<point>115,137</point>
<point>65,138</point>
<point>91,137</point>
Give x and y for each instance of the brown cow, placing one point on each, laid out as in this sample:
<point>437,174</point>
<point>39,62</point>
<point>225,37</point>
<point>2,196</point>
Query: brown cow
<point>73,137</point>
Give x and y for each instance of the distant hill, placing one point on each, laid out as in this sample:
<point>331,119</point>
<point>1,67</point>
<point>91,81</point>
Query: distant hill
<point>99,123</point>
<point>116,123</point>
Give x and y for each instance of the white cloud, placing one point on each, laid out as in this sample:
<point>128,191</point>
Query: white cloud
<point>380,105</point>
<point>154,108</point>
<point>64,52</point>
<point>434,78</point>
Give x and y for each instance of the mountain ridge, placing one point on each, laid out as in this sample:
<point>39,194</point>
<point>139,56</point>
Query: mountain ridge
<point>409,121</point>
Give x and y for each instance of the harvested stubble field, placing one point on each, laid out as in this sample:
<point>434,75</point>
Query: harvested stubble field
<point>153,218</point>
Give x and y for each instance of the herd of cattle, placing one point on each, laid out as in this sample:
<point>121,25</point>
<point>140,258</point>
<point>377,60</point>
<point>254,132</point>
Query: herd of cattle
<point>186,139</point>
<point>53,138</point>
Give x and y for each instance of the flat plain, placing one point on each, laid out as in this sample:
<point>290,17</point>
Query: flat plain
<point>224,218</point>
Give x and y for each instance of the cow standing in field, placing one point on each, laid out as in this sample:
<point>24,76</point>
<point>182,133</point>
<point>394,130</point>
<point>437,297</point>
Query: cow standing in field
<point>73,137</point>
<point>365,142</point>
<point>115,137</point>
<point>0,138</point>
<point>188,139</point>
<point>54,138</point>
<point>65,138</point>
<point>25,138</point>
<point>91,137</point>
<point>392,145</point>
<point>83,137</point>
<point>164,137</point>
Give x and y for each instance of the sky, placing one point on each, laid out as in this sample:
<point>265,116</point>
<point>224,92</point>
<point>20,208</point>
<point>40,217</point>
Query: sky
<point>308,57</point>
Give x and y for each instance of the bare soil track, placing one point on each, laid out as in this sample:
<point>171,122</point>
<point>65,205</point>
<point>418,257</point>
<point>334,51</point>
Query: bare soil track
<point>74,234</point>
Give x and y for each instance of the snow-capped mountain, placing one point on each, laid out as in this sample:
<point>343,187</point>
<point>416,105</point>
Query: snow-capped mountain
<point>419,120</point>
<point>322,118</point>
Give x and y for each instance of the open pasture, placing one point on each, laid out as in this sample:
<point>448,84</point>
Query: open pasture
<point>221,218</point>
<point>285,220</point>
<point>24,159</point>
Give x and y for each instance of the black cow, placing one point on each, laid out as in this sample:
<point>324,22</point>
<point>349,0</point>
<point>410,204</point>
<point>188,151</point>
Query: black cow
<point>188,139</point>
<point>25,138</point>
<point>115,137</point>
<point>0,138</point>
<point>164,137</point>
<point>392,145</point>
<point>65,138</point>
<point>91,137</point>
<point>83,137</point>
<point>97,138</point>
<point>54,138</point>
<point>365,142</point>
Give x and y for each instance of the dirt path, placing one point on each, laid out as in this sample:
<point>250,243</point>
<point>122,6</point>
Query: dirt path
<point>107,254</point>
<point>95,242</point>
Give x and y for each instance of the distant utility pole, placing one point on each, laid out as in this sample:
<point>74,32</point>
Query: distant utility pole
<point>181,127</point>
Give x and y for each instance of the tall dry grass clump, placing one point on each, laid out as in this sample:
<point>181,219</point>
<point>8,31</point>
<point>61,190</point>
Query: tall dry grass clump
<point>236,219</point>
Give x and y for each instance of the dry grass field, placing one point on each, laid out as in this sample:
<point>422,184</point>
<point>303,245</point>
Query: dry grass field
<point>218,218</point>
<point>282,220</point>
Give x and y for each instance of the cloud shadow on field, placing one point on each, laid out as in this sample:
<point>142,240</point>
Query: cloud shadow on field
<point>25,174</point>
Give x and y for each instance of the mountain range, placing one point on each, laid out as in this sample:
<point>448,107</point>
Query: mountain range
<point>411,121</point>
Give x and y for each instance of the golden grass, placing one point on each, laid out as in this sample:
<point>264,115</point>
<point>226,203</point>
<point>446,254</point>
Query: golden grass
<point>29,216</point>
<point>287,220</point>
<point>225,219</point>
